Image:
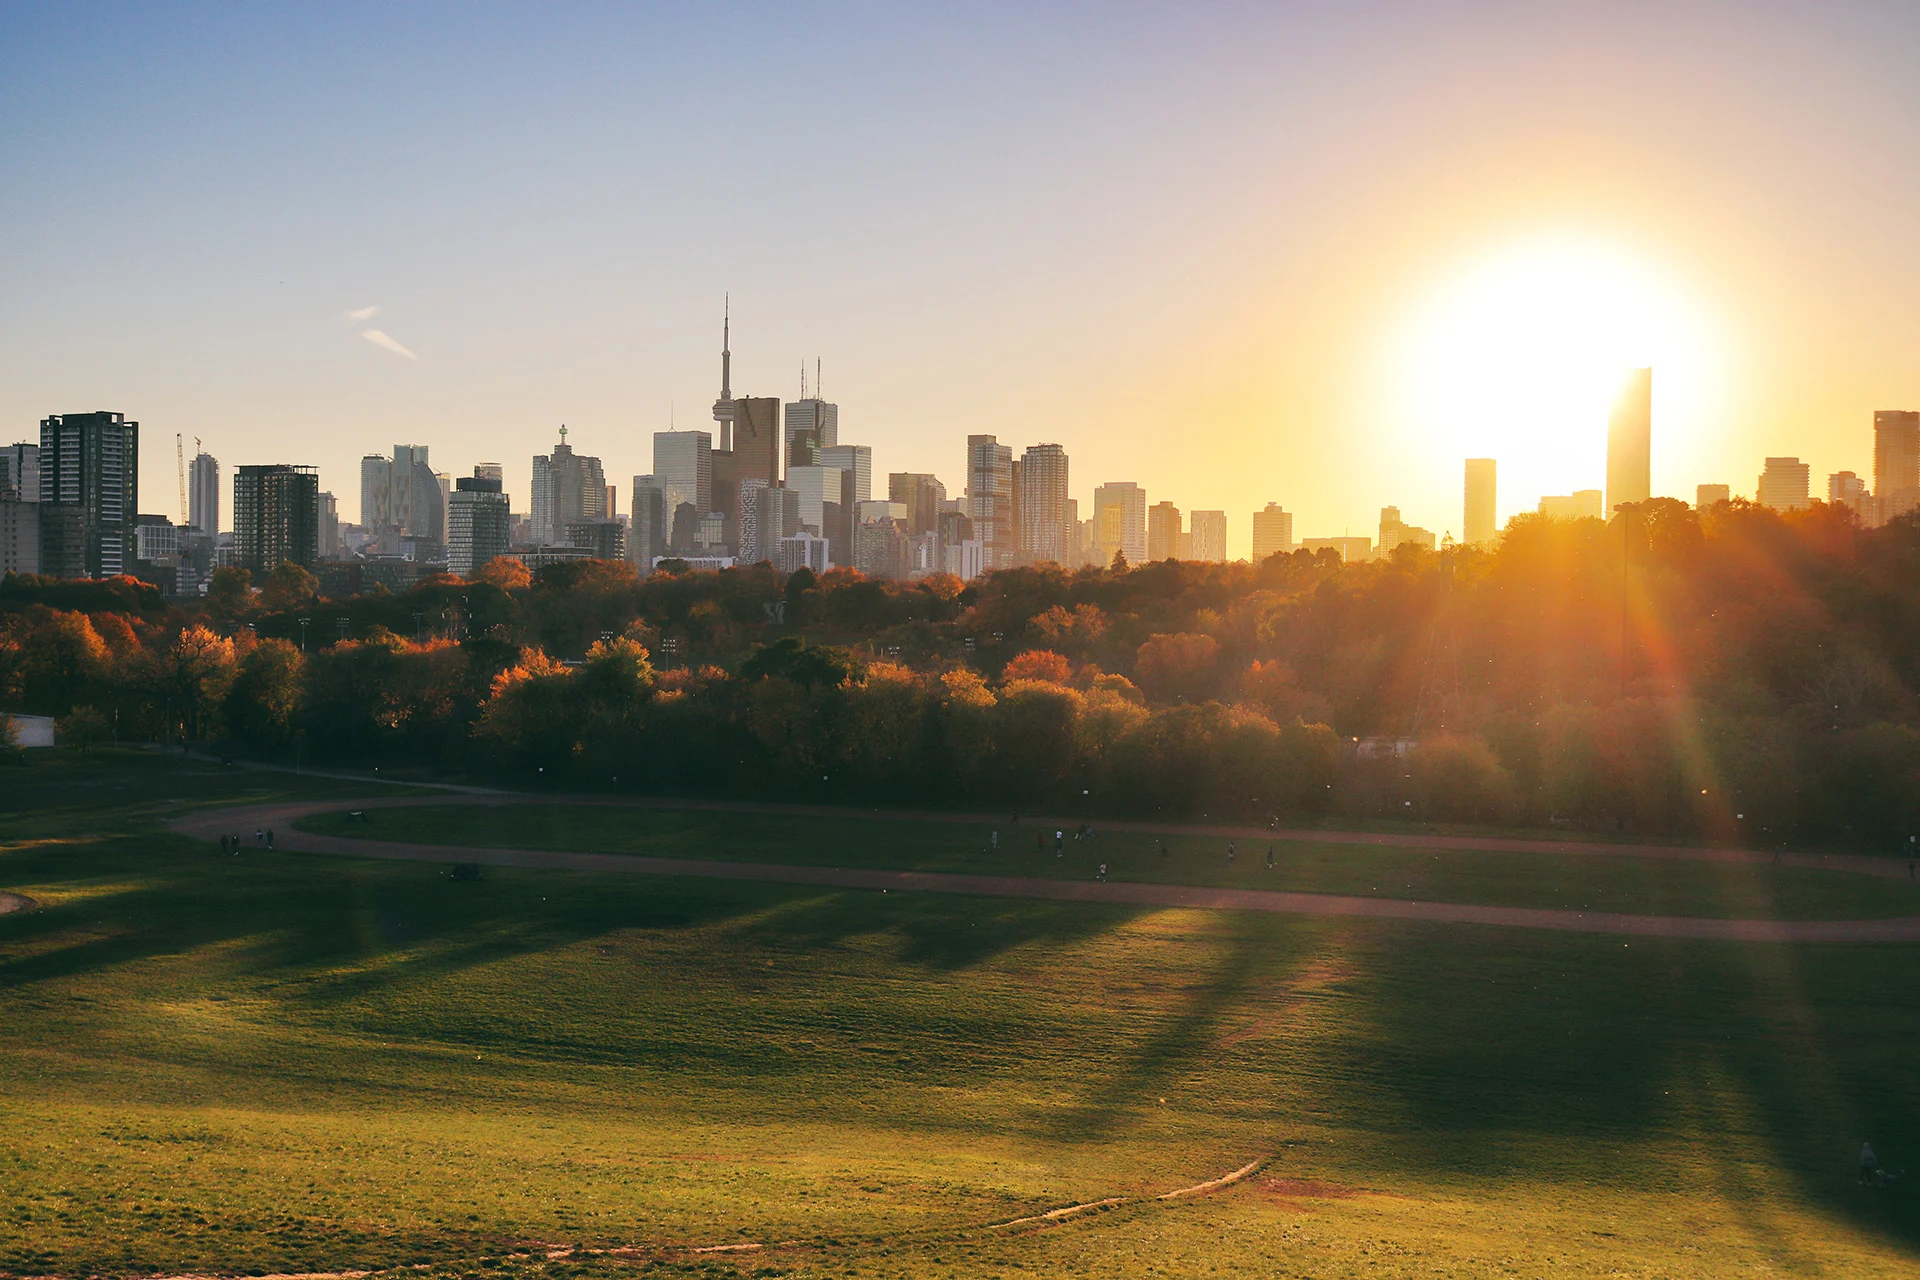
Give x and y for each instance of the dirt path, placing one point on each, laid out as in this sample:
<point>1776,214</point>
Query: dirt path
<point>280,817</point>
<point>12,902</point>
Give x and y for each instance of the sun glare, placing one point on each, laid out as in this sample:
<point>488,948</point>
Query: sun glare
<point>1519,355</point>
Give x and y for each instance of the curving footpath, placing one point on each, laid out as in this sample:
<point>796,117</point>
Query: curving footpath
<point>208,824</point>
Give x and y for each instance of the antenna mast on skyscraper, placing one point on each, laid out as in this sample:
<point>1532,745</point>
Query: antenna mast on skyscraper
<point>816,377</point>
<point>180,456</point>
<point>726,347</point>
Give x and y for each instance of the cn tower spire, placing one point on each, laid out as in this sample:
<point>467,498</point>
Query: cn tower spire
<point>726,348</point>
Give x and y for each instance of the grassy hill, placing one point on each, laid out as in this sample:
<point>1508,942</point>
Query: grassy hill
<point>278,1062</point>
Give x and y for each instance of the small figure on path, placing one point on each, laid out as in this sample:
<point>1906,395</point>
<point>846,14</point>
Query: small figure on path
<point>1059,844</point>
<point>1269,857</point>
<point>269,837</point>
<point>1163,848</point>
<point>995,841</point>
<point>1229,853</point>
<point>1103,871</point>
<point>1869,1162</point>
<point>259,836</point>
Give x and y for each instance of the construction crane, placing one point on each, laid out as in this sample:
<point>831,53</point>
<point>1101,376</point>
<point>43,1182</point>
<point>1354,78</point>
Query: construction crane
<point>180,456</point>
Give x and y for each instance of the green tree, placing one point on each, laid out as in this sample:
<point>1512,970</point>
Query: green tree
<point>289,587</point>
<point>265,696</point>
<point>229,594</point>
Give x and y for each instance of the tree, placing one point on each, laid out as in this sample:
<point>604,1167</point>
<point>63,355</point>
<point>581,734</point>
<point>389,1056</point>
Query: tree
<point>63,661</point>
<point>191,674</point>
<point>266,692</point>
<point>84,729</point>
<point>289,587</point>
<point>1039,664</point>
<point>1177,666</point>
<point>792,658</point>
<point>505,572</point>
<point>229,594</point>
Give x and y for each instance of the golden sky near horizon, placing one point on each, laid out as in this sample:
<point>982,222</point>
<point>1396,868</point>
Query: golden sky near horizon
<point>1237,254</point>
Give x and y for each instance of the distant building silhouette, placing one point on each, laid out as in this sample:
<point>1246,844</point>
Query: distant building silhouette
<point>276,516</point>
<point>20,471</point>
<point>1896,462</point>
<point>857,461</point>
<point>922,494</point>
<point>1706,495</point>
<point>1395,532</point>
<point>1040,501</point>
<point>478,520</point>
<point>89,494</point>
<point>1630,442</point>
<point>1845,489</point>
<point>1166,538</point>
<point>1480,520</point>
<point>568,487</point>
<point>1582,504</point>
<point>683,468</point>
<point>1120,521</point>
<point>203,495</point>
<point>649,525</point>
<point>1785,485</point>
<point>1207,537</point>
<point>990,499</point>
<point>1272,532</point>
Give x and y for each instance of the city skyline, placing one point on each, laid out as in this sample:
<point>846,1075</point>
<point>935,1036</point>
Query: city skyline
<point>1253,297</point>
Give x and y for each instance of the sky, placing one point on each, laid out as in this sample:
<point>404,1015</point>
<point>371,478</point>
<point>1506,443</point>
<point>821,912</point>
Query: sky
<point>1299,253</point>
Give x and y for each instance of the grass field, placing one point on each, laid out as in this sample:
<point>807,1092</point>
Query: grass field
<point>291,1063</point>
<point>1639,886</point>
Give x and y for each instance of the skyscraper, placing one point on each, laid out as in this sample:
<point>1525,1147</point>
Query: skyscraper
<point>20,473</point>
<point>1207,537</point>
<point>1395,532</point>
<point>1272,532</point>
<point>1480,521</point>
<point>1630,442</point>
<point>1705,495</point>
<point>89,494</point>
<point>478,520</point>
<point>1120,521</point>
<point>568,487</point>
<point>767,514</point>
<point>921,494</point>
<point>683,468</point>
<point>203,495</point>
<point>1845,489</point>
<point>1045,533</point>
<point>1896,461</point>
<point>652,522</point>
<point>816,486</point>
<point>1785,485</point>
<point>329,527</point>
<point>1164,533</point>
<point>856,458</point>
<point>1581,505</point>
<point>990,499</point>
<point>812,422</point>
<point>276,516</point>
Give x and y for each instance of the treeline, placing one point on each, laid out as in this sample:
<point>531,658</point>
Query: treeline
<point>1729,674</point>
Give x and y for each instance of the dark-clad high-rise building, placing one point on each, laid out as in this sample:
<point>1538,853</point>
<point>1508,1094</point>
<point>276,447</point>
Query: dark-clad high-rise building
<point>20,473</point>
<point>478,523</point>
<point>1630,441</point>
<point>203,495</point>
<point>89,494</point>
<point>1896,462</point>
<point>276,516</point>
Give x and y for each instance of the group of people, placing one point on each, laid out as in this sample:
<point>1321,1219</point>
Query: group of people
<point>262,839</point>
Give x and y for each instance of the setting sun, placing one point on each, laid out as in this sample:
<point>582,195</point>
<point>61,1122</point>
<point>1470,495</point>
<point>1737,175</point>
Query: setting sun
<point>1518,355</point>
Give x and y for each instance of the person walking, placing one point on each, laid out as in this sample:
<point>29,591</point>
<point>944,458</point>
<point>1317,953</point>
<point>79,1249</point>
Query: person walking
<point>1163,848</point>
<point>1229,853</point>
<point>259,836</point>
<point>1103,872</point>
<point>1059,843</point>
<point>1869,1163</point>
<point>1269,857</point>
<point>994,841</point>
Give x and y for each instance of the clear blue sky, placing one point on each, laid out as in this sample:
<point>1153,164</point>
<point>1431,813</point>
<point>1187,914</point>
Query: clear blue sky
<point>1176,239</point>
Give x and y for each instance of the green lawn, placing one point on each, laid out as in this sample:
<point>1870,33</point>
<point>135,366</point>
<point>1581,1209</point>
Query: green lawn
<point>1587,882</point>
<point>294,1063</point>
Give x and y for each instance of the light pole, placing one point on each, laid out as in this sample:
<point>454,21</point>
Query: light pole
<point>303,633</point>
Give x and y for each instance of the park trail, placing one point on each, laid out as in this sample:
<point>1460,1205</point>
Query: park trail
<point>209,824</point>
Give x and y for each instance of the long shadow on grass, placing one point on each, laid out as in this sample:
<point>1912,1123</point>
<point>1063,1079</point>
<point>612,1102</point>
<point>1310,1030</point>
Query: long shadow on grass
<point>1464,1040</point>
